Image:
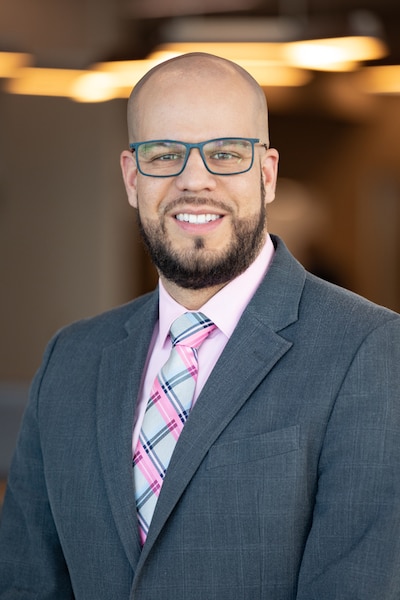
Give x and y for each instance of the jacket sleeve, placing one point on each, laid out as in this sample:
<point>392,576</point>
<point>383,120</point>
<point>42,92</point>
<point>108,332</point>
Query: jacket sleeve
<point>353,548</point>
<point>31,558</point>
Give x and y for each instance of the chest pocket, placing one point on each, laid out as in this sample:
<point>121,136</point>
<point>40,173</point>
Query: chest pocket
<point>258,447</point>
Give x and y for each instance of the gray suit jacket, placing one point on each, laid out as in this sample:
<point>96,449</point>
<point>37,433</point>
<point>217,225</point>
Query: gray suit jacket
<point>285,483</point>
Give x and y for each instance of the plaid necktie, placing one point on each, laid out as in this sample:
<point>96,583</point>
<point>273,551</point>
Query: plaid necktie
<point>167,411</point>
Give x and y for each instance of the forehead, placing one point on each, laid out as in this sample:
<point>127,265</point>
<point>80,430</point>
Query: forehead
<point>197,101</point>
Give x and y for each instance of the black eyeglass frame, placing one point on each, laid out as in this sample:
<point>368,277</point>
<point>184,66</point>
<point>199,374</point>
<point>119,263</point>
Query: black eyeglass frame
<point>253,141</point>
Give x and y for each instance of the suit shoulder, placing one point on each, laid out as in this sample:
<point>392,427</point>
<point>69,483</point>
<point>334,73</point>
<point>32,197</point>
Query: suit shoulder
<point>291,296</point>
<point>109,325</point>
<point>343,305</point>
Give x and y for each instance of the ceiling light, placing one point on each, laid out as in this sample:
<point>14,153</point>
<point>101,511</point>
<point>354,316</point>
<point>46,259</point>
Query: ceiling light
<point>269,74</point>
<point>43,82</point>
<point>270,63</point>
<point>330,54</point>
<point>334,54</point>
<point>267,51</point>
<point>380,80</point>
<point>94,87</point>
<point>261,60</point>
<point>123,75</point>
<point>10,62</point>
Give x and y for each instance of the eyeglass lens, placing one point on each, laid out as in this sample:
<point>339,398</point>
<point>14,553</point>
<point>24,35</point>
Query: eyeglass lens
<point>223,156</point>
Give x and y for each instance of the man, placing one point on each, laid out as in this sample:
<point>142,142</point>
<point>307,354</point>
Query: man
<point>284,482</point>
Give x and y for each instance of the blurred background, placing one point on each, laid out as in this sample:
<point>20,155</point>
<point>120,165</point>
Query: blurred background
<point>69,245</point>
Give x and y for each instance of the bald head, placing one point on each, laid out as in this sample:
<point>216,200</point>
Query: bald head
<point>196,75</point>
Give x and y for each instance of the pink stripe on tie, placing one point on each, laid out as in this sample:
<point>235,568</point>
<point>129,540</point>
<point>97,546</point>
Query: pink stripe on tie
<point>166,413</point>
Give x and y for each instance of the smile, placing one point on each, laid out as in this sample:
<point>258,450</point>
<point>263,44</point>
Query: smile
<point>197,219</point>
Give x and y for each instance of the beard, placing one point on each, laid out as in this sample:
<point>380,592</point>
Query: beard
<point>198,268</point>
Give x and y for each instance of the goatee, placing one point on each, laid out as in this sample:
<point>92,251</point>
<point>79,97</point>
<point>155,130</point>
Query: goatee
<point>198,268</point>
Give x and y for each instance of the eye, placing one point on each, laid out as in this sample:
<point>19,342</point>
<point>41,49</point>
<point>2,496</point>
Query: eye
<point>153,153</point>
<point>228,152</point>
<point>224,155</point>
<point>167,157</point>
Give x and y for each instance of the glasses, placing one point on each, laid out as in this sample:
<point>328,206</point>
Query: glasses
<point>221,156</point>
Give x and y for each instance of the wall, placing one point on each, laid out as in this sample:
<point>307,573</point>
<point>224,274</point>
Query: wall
<point>67,235</point>
<point>349,167</point>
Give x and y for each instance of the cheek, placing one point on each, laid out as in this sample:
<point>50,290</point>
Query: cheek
<point>249,198</point>
<point>152,194</point>
<point>147,203</point>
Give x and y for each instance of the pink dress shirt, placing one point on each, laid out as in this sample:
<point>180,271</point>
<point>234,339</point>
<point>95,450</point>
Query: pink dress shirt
<point>236,295</point>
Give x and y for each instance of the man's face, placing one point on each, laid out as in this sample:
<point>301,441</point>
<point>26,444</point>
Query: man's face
<point>201,229</point>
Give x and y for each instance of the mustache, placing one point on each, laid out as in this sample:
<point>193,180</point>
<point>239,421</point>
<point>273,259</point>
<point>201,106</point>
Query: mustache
<point>196,201</point>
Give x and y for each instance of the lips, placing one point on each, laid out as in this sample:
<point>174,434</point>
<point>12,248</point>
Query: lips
<point>197,219</point>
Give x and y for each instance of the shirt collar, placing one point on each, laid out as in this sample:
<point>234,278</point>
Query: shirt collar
<point>236,295</point>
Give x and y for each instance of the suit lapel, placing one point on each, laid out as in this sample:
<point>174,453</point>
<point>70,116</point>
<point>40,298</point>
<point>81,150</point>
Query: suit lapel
<point>119,381</point>
<point>250,354</point>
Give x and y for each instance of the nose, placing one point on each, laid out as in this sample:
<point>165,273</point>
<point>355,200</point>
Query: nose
<point>195,175</point>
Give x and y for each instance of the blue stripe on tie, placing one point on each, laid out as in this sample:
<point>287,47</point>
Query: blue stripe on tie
<point>175,388</point>
<point>196,322</point>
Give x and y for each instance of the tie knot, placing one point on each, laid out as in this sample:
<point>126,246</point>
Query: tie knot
<point>191,329</point>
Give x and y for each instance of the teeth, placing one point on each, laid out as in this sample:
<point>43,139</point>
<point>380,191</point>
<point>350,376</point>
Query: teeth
<point>196,219</point>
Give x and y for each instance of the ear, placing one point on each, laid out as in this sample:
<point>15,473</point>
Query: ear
<point>129,174</point>
<point>269,171</point>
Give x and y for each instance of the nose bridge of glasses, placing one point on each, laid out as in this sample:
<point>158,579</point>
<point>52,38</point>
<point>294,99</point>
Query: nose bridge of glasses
<point>199,152</point>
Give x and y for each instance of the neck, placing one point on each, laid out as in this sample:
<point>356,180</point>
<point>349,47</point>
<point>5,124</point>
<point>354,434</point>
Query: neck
<point>190,299</point>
